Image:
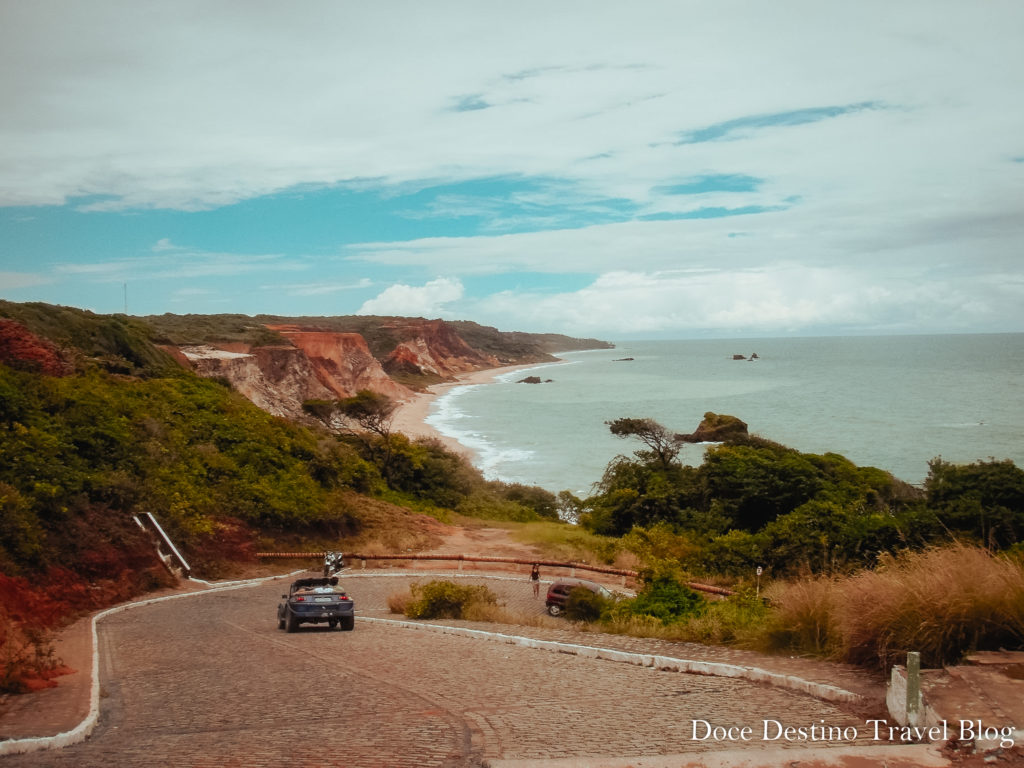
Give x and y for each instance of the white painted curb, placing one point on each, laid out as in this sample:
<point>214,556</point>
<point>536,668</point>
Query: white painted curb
<point>83,729</point>
<point>663,663</point>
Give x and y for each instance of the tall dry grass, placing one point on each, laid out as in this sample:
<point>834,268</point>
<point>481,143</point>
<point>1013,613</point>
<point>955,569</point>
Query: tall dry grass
<point>942,602</point>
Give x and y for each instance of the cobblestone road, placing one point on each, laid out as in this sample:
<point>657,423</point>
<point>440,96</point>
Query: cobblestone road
<point>211,681</point>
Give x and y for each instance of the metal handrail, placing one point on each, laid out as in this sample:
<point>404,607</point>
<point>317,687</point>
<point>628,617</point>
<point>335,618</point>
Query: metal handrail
<point>708,588</point>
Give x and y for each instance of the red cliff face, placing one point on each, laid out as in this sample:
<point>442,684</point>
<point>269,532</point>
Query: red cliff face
<point>431,346</point>
<point>342,362</point>
<point>330,365</point>
<point>277,379</point>
<point>20,348</point>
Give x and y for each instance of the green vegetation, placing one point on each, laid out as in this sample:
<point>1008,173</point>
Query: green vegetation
<point>861,566</point>
<point>584,604</point>
<point>117,343</point>
<point>665,598</point>
<point>514,346</point>
<point>188,330</point>
<point>755,503</point>
<point>446,600</point>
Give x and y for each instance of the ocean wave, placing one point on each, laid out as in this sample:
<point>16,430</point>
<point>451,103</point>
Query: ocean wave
<point>449,418</point>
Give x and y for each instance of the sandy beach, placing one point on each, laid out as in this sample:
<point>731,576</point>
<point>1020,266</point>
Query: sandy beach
<point>410,417</point>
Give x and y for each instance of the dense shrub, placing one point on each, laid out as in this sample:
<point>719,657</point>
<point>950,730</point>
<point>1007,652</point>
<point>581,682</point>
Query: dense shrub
<point>984,499</point>
<point>584,604</point>
<point>663,597</point>
<point>445,599</point>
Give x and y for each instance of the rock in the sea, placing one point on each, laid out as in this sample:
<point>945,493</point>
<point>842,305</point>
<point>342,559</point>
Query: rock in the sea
<point>717,428</point>
<point>739,357</point>
<point>530,380</point>
<point>623,360</point>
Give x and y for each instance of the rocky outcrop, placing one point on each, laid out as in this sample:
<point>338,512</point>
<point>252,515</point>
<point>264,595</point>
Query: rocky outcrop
<point>22,349</point>
<point>717,428</point>
<point>432,347</point>
<point>342,362</point>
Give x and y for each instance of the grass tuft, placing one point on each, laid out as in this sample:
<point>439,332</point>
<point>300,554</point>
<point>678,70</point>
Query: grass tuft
<point>943,602</point>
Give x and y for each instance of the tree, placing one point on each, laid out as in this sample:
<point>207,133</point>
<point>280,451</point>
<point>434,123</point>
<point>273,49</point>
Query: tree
<point>369,413</point>
<point>663,445</point>
<point>984,499</point>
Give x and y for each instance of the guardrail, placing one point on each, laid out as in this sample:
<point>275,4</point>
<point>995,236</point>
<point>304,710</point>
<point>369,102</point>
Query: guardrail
<point>572,567</point>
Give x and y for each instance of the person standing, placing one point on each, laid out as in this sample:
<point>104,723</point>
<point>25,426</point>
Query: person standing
<point>535,578</point>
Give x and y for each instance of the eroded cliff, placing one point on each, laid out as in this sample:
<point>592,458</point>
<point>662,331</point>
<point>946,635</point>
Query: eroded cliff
<point>280,362</point>
<point>432,347</point>
<point>277,379</point>
<point>342,362</point>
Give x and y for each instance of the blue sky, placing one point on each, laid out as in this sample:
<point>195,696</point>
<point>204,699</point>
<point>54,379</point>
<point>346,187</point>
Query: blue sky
<point>673,169</point>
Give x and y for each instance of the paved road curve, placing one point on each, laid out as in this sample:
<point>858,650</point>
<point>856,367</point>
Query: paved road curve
<point>211,681</point>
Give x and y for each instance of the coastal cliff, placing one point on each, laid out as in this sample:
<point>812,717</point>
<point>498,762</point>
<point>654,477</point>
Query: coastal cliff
<point>276,362</point>
<point>277,379</point>
<point>341,362</point>
<point>433,347</point>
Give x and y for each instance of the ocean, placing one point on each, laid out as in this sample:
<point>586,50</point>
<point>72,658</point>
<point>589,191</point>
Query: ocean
<point>892,402</point>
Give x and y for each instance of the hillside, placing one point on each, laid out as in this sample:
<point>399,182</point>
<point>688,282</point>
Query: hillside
<point>278,363</point>
<point>105,417</point>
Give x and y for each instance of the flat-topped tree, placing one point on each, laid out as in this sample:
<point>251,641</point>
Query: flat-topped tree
<point>663,445</point>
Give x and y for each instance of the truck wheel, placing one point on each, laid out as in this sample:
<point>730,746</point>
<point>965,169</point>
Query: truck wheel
<point>348,623</point>
<point>293,623</point>
<point>280,623</point>
<point>555,610</point>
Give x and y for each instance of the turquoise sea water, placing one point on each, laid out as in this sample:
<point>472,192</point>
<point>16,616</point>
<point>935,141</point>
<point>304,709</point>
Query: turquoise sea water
<point>892,402</point>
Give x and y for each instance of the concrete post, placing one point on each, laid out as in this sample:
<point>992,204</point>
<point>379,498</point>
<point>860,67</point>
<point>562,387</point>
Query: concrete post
<point>913,688</point>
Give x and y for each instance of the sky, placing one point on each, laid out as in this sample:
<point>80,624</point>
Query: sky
<point>650,169</point>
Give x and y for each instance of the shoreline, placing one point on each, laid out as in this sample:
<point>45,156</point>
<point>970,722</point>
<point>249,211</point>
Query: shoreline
<point>410,418</point>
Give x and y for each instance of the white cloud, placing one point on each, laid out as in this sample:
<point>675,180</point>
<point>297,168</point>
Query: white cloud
<point>902,209</point>
<point>415,301</point>
<point>164,244</point>
<point>786,298</point>
<point>185,108</point>
<point>14,280</point>
<point>319,288</point>
<point>172,262</point>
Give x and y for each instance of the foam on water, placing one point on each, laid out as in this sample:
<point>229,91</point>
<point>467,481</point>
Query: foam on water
<point>450,419</point>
